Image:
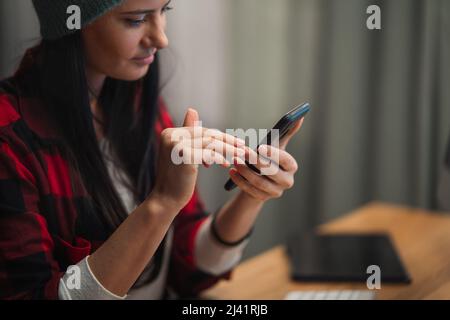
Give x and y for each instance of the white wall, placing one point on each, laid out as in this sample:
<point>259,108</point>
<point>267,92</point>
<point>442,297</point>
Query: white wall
<point>196,67</point>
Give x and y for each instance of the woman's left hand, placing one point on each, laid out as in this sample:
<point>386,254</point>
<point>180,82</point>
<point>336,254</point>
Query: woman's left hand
<point>282,165</point>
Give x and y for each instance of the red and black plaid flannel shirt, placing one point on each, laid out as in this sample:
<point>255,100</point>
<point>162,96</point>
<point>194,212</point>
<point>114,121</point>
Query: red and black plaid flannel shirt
<point>45,225</point>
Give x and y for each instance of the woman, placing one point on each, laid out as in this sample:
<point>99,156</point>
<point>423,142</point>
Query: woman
<point>91,205</point>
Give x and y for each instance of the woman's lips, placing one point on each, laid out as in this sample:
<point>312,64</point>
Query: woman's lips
<point>144,61</point>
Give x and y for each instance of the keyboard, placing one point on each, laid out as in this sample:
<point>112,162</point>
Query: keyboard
<point>331,295</point>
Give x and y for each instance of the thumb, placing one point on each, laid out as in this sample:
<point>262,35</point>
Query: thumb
<point>190,118</point>
<point>284,142</point>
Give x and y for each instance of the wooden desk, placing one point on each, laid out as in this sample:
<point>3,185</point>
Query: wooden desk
<point>422,239</point>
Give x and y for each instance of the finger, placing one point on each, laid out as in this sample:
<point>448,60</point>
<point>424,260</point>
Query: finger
<point>211,157</point>
<point>259,162</point>
<point>252,157</point>
<point>283,158</point>
<point>216,145</point>
<point>259,159</point>
<point>202,146</point>
<point>199,132</point>
<point>227,150</point>
<point>224,137</point>
<point>187,156</point>
<point>284,142</point>
<point>273,172</point>
<point>282,178</point>
<point>245,186</point>
<point>259,182</point>
<point>191,118</point>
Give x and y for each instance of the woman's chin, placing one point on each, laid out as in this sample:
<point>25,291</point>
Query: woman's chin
<point>133,75</point>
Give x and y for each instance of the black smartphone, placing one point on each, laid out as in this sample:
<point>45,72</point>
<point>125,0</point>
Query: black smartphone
<point>284,125</point>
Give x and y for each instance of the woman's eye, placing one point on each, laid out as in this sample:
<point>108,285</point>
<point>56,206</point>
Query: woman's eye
<point>134,23</point>
<point>166,9</point>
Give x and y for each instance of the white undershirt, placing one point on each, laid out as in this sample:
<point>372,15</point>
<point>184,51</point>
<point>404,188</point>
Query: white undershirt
<point>210,255</point>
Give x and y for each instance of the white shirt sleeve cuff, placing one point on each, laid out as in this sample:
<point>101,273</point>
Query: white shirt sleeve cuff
<point>212,256</point>
<point>79,283</point>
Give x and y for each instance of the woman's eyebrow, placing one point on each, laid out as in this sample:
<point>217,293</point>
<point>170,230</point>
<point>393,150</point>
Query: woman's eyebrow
<point>136,12</point>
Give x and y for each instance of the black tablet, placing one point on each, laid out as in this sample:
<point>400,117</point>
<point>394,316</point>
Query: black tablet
<point>344,257</point>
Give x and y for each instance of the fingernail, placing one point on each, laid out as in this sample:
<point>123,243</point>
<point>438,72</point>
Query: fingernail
<point>240,142</point>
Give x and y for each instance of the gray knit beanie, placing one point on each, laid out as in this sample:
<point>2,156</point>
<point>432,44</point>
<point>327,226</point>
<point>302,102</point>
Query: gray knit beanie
<point>53,14</point>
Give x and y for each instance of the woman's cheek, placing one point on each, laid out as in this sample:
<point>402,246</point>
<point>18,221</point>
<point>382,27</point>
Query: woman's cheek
<point>122,50</point>
<point>127,45</point>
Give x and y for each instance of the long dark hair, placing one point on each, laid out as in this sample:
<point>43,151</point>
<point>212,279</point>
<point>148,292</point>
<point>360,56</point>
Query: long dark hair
<point>130,109</point>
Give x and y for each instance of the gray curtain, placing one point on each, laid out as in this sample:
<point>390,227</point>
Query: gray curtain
<point>380,119</point>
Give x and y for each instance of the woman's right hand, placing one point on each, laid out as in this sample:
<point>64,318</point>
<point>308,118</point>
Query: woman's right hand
<point>175,182</point>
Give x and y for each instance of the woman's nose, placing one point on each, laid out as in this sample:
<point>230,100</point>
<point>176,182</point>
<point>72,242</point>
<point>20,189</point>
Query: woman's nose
<point>156,36</point>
